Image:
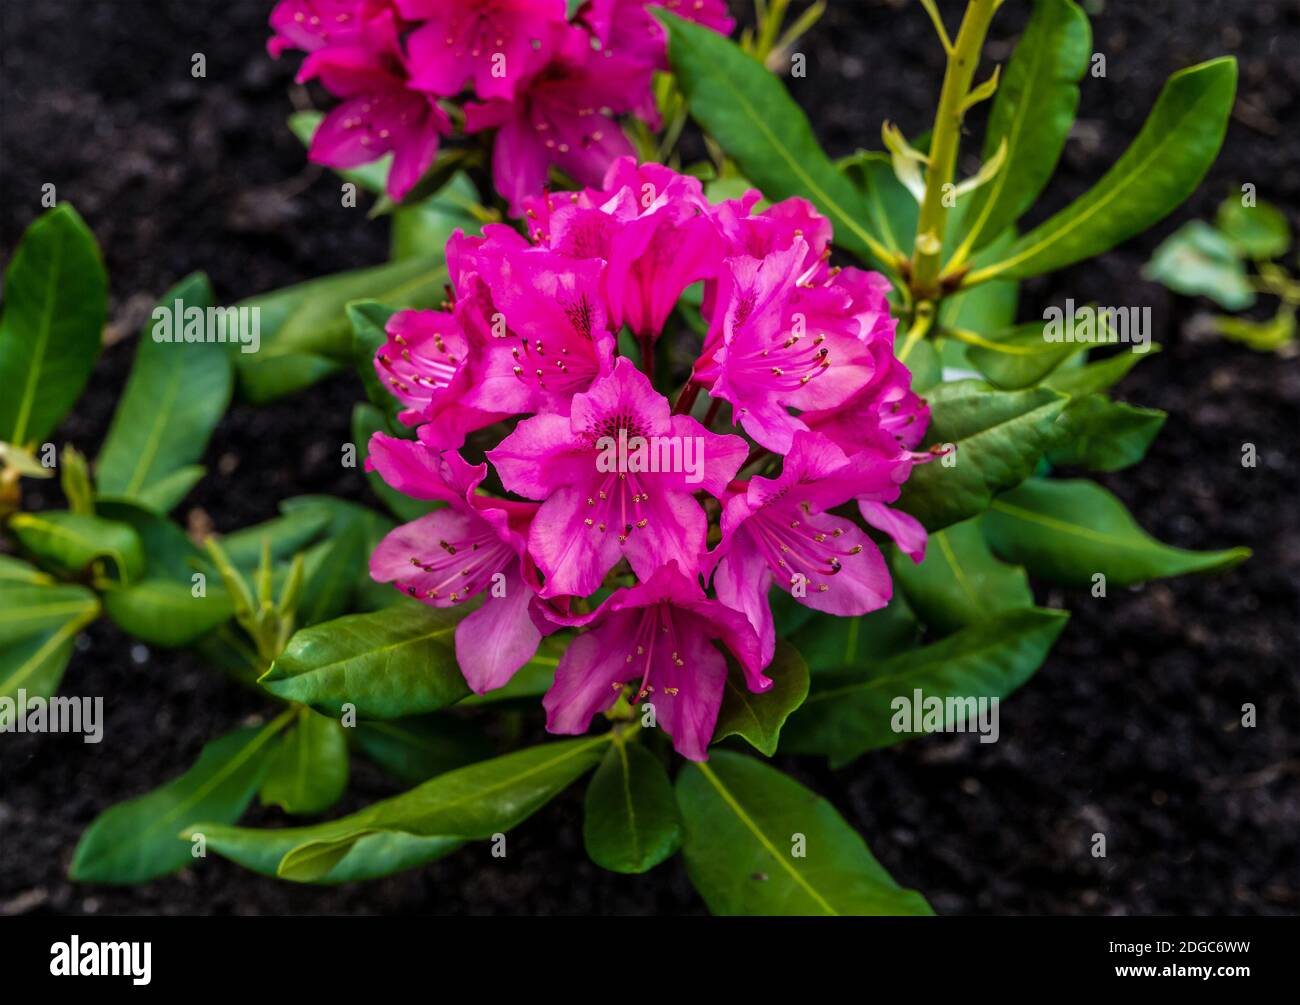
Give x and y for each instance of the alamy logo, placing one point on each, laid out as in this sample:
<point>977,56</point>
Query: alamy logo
<point>38,714</point>
<point>236,325</point>
<point>102,959</point>
<point>1099,325</point>
<point>634,455</point>
<point>923,713</point>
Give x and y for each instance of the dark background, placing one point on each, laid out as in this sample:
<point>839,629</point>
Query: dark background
<point>1132,726</point>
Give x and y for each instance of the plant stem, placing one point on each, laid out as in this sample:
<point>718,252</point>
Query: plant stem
<point>921,323</point>
<point>944,141</point>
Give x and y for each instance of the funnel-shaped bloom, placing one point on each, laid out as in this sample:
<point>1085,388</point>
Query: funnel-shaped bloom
<point>618,476</point>
<point>378,115</point>
<point>660,635</point>
<point>495,44</point>
<point>562,117</point>
<point>474,545</point>
<point>314,24</point>
<point>780,531</point>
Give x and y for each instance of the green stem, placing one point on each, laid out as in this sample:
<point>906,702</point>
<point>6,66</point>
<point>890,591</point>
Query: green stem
<point>921,324</point>
<point>944,141</point>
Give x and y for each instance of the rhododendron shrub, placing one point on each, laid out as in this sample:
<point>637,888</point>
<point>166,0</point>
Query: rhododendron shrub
<point>685,461</point>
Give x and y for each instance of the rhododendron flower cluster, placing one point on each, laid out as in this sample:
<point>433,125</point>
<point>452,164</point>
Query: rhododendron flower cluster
<point>615,510</point>
<point>552,88</point>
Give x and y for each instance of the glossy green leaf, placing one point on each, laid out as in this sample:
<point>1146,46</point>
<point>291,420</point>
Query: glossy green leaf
<point>288,535</point>
<point>630,821</point>
<point>15,570</point>
<point>1019,357</point>
<point>305,330</point>
<point>998,439</point>
<point>388,664</point>
<point>1032,114</point>
<point>759,843</point>
<point>28,609</point>
<point>71,541</point>
<point>1105,435</point>
<point>473,802</point>
<point>960,582</point>
<point>847,715</point>
<point>419,747</point>
<point>828,643</point>
<point>423,227</point>
<point>758,718</point>
<point>1197,260</point>
<point>38,626</point>
<point>1099,375</point>
<point>747,110</point>
<point>309,769</point>
<point>1259,231</point>
<point>164,612</point>
<point>55,300</point>
<point>137,840</point>
<point>892,211</point>
<point>371,857</point>
<point>1161,168</point>
<point>1066,531</point>
<point>166,493</point>
<point>176,394</point>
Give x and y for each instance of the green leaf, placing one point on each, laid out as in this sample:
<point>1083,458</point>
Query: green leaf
<point>15,570</point>
<point>999,438</point>
<point>392,663</point>
<point>368,319</point>
<point>960,582</point>
<point>758,717</point>
<point>828,643</point>
<point>34,661</point>
<point>1093,377</point>
<point>1258,231</point>
<point>1105,435</point>
<point>892,211</point>
<point>309,769</point>
<point>28,609</point>
<point>988,307</point>
<point>847,715</point>
<point>1067,531</point>
<point>176,394</point>
<point>71,541</point>
<point>166,493</point>
<point>1032,113</point>
<point>743,819</point>
<point>1263,336</point>
<point>1019,357</point>
<point>163,612</point>
<point>1197,260</point>
<point>55,300</point>
<point>423,228</point>
<point>747,110</point>
<point>419,747</point>
<point>369,858</point>
<point>630,821</point>
<point>305,329</point>
<point>136,841</point>
<point>474,803</point>
<point>1161,168</point>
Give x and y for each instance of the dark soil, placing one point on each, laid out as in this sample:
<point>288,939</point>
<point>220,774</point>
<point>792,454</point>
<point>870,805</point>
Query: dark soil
<point>1132,728</point>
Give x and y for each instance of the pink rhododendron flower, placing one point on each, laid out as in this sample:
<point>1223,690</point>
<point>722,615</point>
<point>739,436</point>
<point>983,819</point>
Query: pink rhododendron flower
<point>626,27</point>
<point>660,635</point>
<point>779,530</point>
<point>314,24</point>
<point>473,546</point>
<point>495,44</point>
<point>609,487</point>
<point>594,513</point>
<point>379,115</point>
<point>564,117</point>
<point>650,224</point>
